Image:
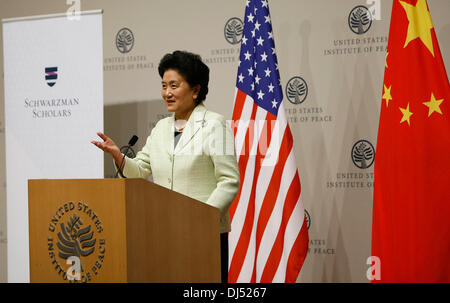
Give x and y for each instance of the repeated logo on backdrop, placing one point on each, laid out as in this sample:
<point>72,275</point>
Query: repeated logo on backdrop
<point>361,176</point>
<point>358,40</point>
<point>124,40</point>
<point>360,19</point>
<point>233,30</point>
<point>229,53</point>
<point>296,90</point>
<point>126,60</point>
<point>363,154</point>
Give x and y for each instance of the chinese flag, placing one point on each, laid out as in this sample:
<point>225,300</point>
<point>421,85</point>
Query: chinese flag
<point>411,210</point>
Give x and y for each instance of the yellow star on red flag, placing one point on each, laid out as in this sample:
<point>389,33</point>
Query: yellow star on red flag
<point>406,114</point>
<point>420,24</point>
<point>387,94</point>
<point>433,105</point>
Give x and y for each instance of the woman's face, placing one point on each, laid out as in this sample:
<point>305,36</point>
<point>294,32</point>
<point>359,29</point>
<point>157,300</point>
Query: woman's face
<point>178,94</point>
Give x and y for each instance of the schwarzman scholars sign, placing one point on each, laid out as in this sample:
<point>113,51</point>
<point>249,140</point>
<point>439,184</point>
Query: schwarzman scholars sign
<point>51,108</point>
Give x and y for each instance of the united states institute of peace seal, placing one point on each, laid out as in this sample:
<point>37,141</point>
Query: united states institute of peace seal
<point>296,90</point>
<point>124,40</point>
<point>360,20</point>
<point>76,246</point>
<point>363,154</point>
<point>233,30</point>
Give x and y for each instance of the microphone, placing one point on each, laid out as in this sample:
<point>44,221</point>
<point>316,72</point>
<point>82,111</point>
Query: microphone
<point>133,140</point>
<point>131,143</point>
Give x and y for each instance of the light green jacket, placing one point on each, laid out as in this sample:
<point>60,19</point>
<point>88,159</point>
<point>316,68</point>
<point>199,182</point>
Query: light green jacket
<point>202,166</point>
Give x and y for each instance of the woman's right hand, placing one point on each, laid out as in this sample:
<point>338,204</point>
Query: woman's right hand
<point>108,146</point>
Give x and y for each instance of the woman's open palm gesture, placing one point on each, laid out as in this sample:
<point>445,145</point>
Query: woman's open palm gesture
<point>108,146</point>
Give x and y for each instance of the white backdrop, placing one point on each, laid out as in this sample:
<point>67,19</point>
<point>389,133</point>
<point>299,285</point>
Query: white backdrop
<point>49,121</point>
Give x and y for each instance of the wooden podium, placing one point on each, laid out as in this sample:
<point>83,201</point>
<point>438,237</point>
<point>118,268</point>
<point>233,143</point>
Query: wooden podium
<point>120,230</point>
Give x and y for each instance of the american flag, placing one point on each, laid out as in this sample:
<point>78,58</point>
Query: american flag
<point>269,237</point>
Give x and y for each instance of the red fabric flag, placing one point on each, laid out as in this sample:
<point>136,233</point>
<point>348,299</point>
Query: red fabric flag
<point>411,210</point>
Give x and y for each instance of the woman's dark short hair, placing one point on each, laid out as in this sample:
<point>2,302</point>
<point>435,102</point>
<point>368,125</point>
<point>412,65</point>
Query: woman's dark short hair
<point>191,67</point>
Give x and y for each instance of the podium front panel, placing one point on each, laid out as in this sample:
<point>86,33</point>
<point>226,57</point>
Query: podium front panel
<point>120,230</point>
<point>77,231</point>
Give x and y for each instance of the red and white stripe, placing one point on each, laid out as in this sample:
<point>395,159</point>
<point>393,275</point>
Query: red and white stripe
<point>269,238</point>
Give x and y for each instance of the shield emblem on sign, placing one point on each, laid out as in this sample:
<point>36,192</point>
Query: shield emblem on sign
<point>51,74</point>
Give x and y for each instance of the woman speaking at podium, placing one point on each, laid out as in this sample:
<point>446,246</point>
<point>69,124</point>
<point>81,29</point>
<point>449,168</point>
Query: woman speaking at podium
<point>192,151</point>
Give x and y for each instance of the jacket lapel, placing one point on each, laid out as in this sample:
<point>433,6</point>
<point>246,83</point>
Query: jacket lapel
<point>169,135</point>
<point>194,124</point>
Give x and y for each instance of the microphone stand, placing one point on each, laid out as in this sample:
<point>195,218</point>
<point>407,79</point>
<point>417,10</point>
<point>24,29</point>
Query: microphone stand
<point>119,169</point>
<point>130,144</point>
